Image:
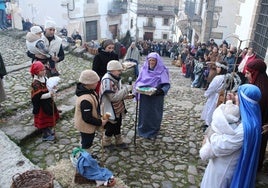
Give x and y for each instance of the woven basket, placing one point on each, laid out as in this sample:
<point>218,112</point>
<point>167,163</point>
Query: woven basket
<point>93,51</point>
<point>33,179</point>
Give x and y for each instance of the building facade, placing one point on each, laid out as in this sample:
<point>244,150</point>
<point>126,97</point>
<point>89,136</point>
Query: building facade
<point>241,23</point>
<point>155,19</point>
<point>96,19</point>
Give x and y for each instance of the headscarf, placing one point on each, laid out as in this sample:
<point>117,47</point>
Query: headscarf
<point>36,67</point>
<point>245,172</point>
<point>153,78</point>
<point>50,24</point>
<point>256,67</point>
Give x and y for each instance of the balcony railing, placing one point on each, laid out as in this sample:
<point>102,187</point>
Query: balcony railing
<point>149,25</point>
<point>117,8</point>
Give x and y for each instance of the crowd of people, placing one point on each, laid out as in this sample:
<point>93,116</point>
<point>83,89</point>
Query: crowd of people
<point>235,140</point>
<point>235,114</point>
<point>3,16</point>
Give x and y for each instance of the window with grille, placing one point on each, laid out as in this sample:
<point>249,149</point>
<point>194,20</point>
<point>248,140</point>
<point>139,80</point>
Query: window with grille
<point>91,31</point>
<point>166,21</point>
<point>131,23</point>
<point>261,32</point>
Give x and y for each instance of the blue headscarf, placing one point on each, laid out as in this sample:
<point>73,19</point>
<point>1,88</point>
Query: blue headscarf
<point>246,169</point>
<point>153,78</point>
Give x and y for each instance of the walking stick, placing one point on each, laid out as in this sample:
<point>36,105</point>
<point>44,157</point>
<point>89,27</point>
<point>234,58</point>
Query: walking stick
<point>102,148</point>
<point>235,65</point>
<point>105,117</point>
<point>136,118</point>
<point>54,120</point>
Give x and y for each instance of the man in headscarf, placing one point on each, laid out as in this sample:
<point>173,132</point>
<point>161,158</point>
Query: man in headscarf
<point>153,74</point>
<point>256,74</point>
<point>54,44</point>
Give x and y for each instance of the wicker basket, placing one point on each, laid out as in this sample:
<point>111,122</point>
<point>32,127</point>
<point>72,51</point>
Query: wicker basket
<point>33,179</point>
<point>93,51</point>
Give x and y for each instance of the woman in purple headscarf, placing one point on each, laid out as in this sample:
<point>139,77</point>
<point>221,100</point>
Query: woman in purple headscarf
<point>153,74</point>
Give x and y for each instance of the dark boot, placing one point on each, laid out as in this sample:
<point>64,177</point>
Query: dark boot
<point>47,136</point>
<point>107,142</point>
<point>119,142</point>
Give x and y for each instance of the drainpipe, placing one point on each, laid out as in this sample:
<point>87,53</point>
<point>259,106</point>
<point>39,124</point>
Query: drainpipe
<point>211,20</point>
<point>69,9</point>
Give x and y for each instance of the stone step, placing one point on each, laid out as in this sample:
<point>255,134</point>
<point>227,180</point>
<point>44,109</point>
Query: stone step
<point>20,126</point>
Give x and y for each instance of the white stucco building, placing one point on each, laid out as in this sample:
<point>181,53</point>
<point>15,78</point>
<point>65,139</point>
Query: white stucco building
<point>38,11</point>
<point>238,22</point>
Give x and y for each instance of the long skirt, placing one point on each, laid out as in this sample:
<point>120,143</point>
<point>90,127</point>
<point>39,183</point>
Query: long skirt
<point>150,115</point>
<point>42,120</point>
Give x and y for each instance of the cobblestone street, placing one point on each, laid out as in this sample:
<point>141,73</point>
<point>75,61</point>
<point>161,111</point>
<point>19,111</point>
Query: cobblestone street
<point>171,161</point>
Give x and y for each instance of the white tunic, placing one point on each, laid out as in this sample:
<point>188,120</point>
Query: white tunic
<point>223,150</point>
<point>212,95</point>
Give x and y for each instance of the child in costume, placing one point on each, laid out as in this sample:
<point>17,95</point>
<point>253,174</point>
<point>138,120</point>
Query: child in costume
<point>87,116</point>
<point>44,108</point>
<point>35,44</point>
<point>112,101</point>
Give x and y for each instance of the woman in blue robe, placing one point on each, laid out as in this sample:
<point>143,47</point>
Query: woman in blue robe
<point>153,74</point>
<point>245,174</point>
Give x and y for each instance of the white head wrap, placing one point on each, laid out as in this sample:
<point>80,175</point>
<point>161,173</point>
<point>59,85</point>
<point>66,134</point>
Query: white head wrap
<point>50,24</point>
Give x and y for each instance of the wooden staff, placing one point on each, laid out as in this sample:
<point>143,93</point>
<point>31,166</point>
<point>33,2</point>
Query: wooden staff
<point>136,121</point>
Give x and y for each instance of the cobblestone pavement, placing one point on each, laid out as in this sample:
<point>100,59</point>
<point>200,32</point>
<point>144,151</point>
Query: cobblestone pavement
<point>171,160</point>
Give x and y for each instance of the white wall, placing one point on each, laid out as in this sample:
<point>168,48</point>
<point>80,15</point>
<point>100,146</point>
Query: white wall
<point>247,10</point>
<point>227,17</point>
<point>160,28</point>
<point>126,21</point>
<point>40,10</point>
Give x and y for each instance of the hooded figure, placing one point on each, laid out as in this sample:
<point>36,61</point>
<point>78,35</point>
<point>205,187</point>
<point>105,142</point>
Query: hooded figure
<point>153,74</point>
<point>256,74</point>
<point>222,146</point>
<point>246,169</point>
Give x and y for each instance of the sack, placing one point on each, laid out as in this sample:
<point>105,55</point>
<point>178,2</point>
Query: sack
<point>89,168</point>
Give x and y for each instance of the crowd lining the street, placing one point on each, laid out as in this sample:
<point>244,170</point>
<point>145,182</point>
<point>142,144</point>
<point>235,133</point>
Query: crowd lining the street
<point>206,64</point>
